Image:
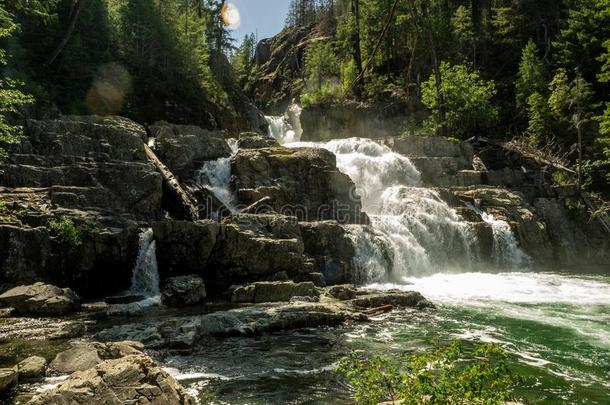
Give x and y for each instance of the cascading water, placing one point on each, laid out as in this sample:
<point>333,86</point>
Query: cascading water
<point>215,175</point>
<point>145,277</point>
<point>286,128</point>
<point>506,251</point>
<point>416,231</point>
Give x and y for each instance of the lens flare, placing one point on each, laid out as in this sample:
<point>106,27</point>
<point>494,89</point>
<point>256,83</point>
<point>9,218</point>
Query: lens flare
<point>230,16</point>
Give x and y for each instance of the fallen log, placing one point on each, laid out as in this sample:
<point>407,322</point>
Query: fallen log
<point>378,310</point>
<point>252,207</point>
<point>181,195</point>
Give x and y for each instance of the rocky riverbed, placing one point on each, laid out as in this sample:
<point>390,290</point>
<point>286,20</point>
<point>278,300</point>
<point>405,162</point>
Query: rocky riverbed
<point>96,349</point>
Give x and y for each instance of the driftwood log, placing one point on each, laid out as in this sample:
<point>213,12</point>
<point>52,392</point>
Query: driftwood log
<point>180,194</point>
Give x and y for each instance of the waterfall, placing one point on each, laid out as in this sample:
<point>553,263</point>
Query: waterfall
<point>215,176</point>
<point>506,251</point>
<point>145,277</point>
<point>415,231</point>
<point>286,128</point>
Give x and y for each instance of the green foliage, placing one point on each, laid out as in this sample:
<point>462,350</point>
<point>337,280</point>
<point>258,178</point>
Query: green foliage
<point>467,100</point>
<point>444,375</point>
<point>531,75</point>
<point>561,178</point>
<point>68,233</point>
<point>243,58</point>
<point>538,119</point>
<point>322,72</point>
<point>11,95</point>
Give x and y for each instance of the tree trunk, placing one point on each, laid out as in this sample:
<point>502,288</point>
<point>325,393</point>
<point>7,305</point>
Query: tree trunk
<point>181,196</point>
<point>357,54</point>
<point>74,14</point>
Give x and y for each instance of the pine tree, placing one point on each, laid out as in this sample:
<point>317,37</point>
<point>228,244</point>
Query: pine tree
<point>531,75</point>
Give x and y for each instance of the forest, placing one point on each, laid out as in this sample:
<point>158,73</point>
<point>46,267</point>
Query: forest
<point>534,72</point>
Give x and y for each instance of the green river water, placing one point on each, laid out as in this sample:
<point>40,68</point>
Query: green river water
<point>556,326</point>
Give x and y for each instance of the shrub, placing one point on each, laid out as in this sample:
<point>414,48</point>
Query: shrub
<point>66,231</point>
<point>441,375</point>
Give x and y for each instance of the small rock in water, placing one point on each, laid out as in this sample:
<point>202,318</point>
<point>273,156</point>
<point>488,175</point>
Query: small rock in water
<point>31,368</point>
<point>183,291</point>
<point>342,292</point>
<point>41,299</point>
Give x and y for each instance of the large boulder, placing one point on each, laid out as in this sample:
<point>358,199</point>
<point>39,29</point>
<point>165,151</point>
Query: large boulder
<point>329,244</point>
<point>83,356</point>
<point>273,291</point>
<point>253,140</point>
<point>183,291</point>
<point>301,182</point>
<point>41,299</point>
<point>133,379</point>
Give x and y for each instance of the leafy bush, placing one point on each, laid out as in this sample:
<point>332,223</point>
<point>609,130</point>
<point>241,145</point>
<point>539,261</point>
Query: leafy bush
<point>467,100</point>
<point>442,375</point>
<point>67,232</point>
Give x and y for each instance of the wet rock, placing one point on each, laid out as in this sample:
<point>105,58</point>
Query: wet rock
<point>301,182</point>
<point>241,294</point>
<point>8,379</point>
<point>183,291</point>
<point>253,140</point>
<point>41,299</point>
<point>332,249</point>
<point>294,300</point>
<point>31,368</point>
<point>342,292</point>
<point>133,379</point>
<point>77,358</point>
<point>273,291</point>
<point>409,299</point>
<point>82,356</point>
<point>184,148</point>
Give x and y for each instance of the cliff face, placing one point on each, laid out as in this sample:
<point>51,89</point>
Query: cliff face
<point>280,68</point>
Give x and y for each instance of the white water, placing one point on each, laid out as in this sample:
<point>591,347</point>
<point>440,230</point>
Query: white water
<point>417,233</point>
<point>286,128</point>
<point>506,251</point>
<point>145,277</point>
<point>215,176</point>
<point>572,302</point>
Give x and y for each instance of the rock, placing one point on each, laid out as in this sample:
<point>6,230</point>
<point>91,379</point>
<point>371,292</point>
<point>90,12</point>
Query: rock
<point>273,291</point>
<point>342,292</point>
<point>409,299</point>
<point>184,148</point>
<point>253,140</point>
<point>301,182</point>
<point>242,294</point>
<point>83,356</point>
<point>432,146</point>
<point>133,379</point>
<point>332,249</point>
<point>294,300</point>
<point>41,299</point>
<point>78,358</point>
<point>31,368</point>
<point>8,379</point>
<point>183,291</point>
<point>184,247</point>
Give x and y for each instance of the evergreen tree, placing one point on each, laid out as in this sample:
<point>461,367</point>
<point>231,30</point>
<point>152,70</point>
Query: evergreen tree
<point>531,75</point>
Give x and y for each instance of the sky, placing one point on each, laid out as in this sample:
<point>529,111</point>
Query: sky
<point>265,16</point>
